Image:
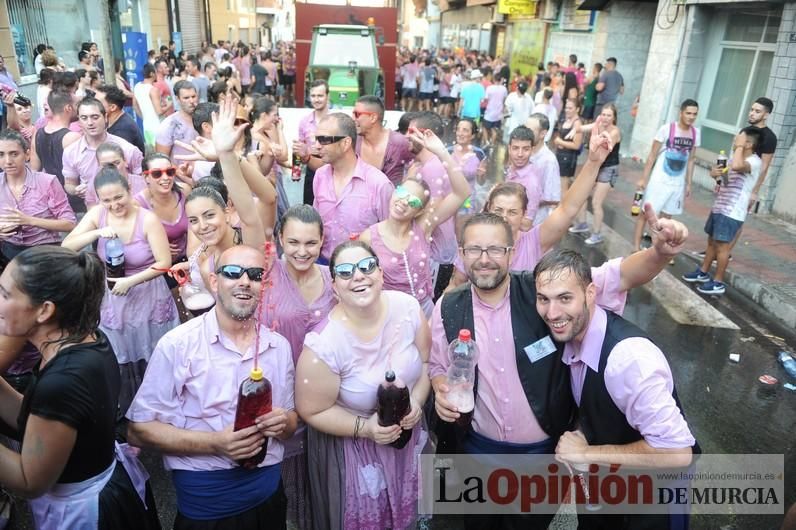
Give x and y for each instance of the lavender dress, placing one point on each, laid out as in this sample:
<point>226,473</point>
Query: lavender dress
<point>359,484</point>
<point>289,315</point>
<point>408,271</point>
<point>135,322</point>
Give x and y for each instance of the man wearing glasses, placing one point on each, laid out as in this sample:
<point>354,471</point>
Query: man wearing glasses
<point>382,148</point>
<point>523,401</point>
<point>185,407</point>
<point>350,194</point>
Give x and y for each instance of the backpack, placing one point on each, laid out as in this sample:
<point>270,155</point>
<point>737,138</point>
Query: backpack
<point>675,159</point>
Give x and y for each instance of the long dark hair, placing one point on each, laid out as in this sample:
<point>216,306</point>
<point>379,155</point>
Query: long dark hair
<point>74,283</point>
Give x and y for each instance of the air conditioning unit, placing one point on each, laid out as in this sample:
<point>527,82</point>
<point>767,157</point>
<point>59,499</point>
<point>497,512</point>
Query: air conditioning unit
<point>549,10</point>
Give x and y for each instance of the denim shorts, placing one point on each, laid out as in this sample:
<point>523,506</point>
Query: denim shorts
<point>409,92</point>
<point>608,174</point>
<point>722,228</point>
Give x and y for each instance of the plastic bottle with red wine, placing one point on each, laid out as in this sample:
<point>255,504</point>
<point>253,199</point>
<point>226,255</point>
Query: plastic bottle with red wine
<point>254,400</point>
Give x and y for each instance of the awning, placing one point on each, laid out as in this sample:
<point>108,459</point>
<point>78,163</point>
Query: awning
<point>593,5</point>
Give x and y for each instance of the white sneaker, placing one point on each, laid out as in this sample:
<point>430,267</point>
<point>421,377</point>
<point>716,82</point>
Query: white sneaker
<point>594,239</point>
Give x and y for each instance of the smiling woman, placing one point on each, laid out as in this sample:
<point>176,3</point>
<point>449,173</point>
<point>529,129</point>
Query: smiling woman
<point>369,333</point>
<point>137,309</point>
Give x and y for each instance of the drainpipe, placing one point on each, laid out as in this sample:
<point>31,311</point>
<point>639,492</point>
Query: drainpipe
<point>670,91</point>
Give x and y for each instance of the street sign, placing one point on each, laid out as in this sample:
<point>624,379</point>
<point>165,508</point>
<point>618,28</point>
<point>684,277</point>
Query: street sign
<point>516,7</point>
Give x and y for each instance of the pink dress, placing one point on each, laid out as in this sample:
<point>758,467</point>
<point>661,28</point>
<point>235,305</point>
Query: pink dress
<point>408,271</point>
<point>135,322</point>
<point>290,316</point>
<point>379,483</point>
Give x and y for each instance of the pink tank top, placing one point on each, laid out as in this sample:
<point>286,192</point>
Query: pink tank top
<point>176,231</point>
<point>408,271</point>
<point>137,252</point>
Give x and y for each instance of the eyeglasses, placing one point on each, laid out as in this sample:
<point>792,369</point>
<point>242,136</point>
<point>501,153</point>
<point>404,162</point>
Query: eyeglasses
<point>358,113</point>
<point>234,272</point>
<point>328,140</point>
<point>365,266</point>
<point>493,251</point>
<point>157,173</point>
<point>413,200</point>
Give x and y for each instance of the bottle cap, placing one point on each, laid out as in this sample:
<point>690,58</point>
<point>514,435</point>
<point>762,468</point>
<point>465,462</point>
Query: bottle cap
<point>389,376</point>
<point>256,374</point>
<point>465,335</point>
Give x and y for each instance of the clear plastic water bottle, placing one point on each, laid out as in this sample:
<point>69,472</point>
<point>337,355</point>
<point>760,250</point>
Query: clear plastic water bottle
<point>114,259</point>
<point>463,354</point>
<point>788,363</point>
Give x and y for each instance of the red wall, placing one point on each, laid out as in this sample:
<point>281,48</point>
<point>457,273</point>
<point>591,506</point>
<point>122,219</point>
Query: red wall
<point>386,22</point>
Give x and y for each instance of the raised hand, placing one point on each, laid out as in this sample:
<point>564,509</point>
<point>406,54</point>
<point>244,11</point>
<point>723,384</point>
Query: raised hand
<point>427,139</point>
<point>200,149</point>
<point>225,133</point>
<point>668,235</point>
<point>600,143</point>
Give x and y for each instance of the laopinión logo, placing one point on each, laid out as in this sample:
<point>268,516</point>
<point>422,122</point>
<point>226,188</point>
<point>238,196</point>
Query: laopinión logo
<point>522,484</point>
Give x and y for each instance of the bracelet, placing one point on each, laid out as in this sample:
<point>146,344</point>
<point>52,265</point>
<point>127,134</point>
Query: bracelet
<point>357,426</point>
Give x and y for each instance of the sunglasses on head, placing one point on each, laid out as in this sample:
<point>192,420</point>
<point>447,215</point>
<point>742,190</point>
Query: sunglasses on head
<point>328,140</point>
<point>157,173</point>
<point>234,272</point>
<point>413,200</point>
<point>365,266</point>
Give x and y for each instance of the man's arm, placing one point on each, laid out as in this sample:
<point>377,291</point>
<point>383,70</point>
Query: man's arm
<point>651,158</point>
<point>573,448</point>
<point>765,159</point>
<point>668,235</point>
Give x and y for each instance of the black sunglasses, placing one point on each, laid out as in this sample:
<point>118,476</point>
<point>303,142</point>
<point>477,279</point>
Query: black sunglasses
<point>365,266</point>
<point>234,272</point>
<point>328,140</point>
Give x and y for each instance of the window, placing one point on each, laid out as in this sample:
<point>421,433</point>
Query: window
<point>744,55</point>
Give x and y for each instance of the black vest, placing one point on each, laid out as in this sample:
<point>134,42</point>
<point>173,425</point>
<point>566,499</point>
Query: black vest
<point>546,382</point>
<point>600,419</point>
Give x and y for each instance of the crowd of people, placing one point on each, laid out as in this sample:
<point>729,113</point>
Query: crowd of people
<point>108,232</point>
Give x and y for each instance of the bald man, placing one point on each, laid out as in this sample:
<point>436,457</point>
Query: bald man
<point>186,405</point>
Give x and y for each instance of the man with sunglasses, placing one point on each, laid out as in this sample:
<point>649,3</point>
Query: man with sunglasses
<point>523,402</point>
<point>319,99</point>
<point>80,164</point>
<point>178,126</point>
<point>185,408</point>
<point>350,194</point>
<point>380,147</point>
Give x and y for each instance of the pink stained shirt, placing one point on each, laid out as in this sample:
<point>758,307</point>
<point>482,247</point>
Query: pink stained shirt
<point>531,179</point>
<point>290,315</point>
<point>502,411</point>
<point>306,129</point>
<point>443,244</point>
<point>362,365</point>
<point>397,155</point>
<point>546,164</point>
<point>638,379</point>
<point>42,197</point>
<point>175,128</point>
<point>364,201</point>
<point>192,383</point>
<point>81,166</point>
<point>495,96</point>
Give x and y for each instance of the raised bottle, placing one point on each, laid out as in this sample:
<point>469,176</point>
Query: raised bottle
<point>254,400</point>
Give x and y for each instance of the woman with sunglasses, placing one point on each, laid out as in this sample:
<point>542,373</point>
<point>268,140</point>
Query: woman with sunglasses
<point>138,309</point>
<point>69,465</point>
<point>357,479</point>
<point>403,240</point>
<point>165,197</point>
